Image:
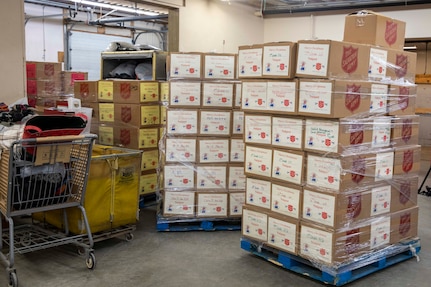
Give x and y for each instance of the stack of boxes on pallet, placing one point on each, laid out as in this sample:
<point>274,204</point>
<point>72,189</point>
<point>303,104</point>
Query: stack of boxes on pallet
<point>331,157</point>
<point>203,174</point>
<point>47,83</point>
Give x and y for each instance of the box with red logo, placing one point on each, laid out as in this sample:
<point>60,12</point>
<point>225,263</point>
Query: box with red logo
<point>150,159</point>
<point>288,132</point>
<point>404,192</point>
<point>148,182</point>
<point>219,66</point>
<point>258,193</point>
<point>149,91</point>
<point>86,91</point>
<point>69,78</point>
<point>324,98</point>
<point>254,223</point>
<point>179,203</point>
<point>402,99</point>
<point>44,88</point>
<point>236,202</point>
<point>179,177</point>
<point>105,134</point>
<point>407,160</point>
<point>106,112</point>
<point>402,65</point>
<point>283,233</point>
<point>236,177</point>
<point>43,70</point>
<point>212,204</point>
<point>282,97</point>
<point>257,129</point>
<point>368,27</point>
<point>211,177</point>
<point>258,161</point>
<point>405,130</point>
<point>404,224</point>
<point>136,115</point>
<point>237,122</point>
<point>213,150</point>
<point>164,91</point>
<point>254,95</point>
<point>332,247</point>
<point>184,65</point>
<point>250,61</point>
<point>180,150</point>
<point>105,89</point>
<point>215,122</point>
<point>135,137</point>
<point>330,59</point>
<point>217,95</point>
<point>288,166</point>
<point>185,94</point>
<point>126,91</point>
<point>279,60</point>
<point>286,199</point>
<point>237,95</point>
<point>237,150</point>
<point>182,122</point>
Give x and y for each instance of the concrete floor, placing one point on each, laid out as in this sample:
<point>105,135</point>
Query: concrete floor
<point>166,259</point>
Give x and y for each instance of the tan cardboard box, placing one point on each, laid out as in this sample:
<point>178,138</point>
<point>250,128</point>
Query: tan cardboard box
<point>236,202</point>
<point>282,97</point>
<point>212,204</point>
<point>179,203</point>
<point>257,129</point>
<point>286,199</point>
<point>250,61</point>
<point>407,160</point>
<point>148,183</point>
<point>184,65</point>
<point>258,161</point>
<point>373,28</point>
<point>95,111</point>
<point>69,78</point>
<point>215,123</point>
<point>404,224</point>
<point>405,130</point>
<point>288,132</point>
<point>135,137</point>
<point>105,134</point>
<point>44,88</point>
<point>182,122</point>
<point>379,99</point>
<point>185,94</point>
<point>86,91</point>
<point>283,233</point>
<point>258,193</point>
<point>213,150</point>
<point>149,91</point>
<point>219,66</point>
<point>217,95</point>
<point>329,59</point>
<point>237,122</point>
<point>164,91</point>
<point>236,177</point>
<point>150,159</point>
<point>402,99</point>
<point>42,70</point>
<point>181,150</point>
<point>237,95</point>
<point>402,65</point>
<point>404,192</point>
<point>179,177</point>
<point>254,224</point>
<point>126,91</point>
<point>254,95</point>
<point>211,177</point>
<point>288,166</point>
<point>106,113</point>
<point>136,115</point>
<point>237,150</point>
<point>105,89</point>
<point>279,60</point>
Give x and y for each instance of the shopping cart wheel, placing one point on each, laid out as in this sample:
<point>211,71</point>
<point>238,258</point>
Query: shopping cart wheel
<point>129,236</point>
<point>13,279</point>
<point>91,261</point>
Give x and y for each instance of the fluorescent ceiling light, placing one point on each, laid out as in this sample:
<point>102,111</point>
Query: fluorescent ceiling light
<point>115,7</point>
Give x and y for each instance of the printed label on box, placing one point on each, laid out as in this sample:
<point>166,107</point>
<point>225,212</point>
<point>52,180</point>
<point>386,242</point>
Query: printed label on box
<point>323,172</point>
<point>181,203</point>
<point>219,67</point>
<point>250,62</point>
<point>312,59</point>
<point>217,95</point>
<point>316,244</point>
<point>182,122</point>
<point>258,161</point>
<point>215,123</point>
<point>258,193</point>
<point>315,97</point>
<point>106,90</point>
<point>148,138</point>
<point>255,225</point>
<point>149,92</point>
<point>178,176</point>
<point>180,150</point>
<point>238,95</point>
<point>379,98</point>
<point>236,201</point>
<point>281,96</point>
<point>236,178</point>
<point>384,166</point>
<point>213,151</point>
<point>106,135</point>
<point>380,232</point>
<point>287,132</point>
<point>237,122</point>
<point>106,112</point>
<point>185,65</point>
<point>321,135</point>
<point>150,115</point>
<point>185,94</point>
<point>150,159</point>
<point>254,95</point>
<point>282,234</point>
<point>164,92</point>
<point>212,204</point>
<point>163,115</point>
<point>257,129</point>
<point>276,60</point>
<point>287,166</point>
<point>319,207</point>
<point>378,62</point>
<point>211,177</point>
<point>381,132</point>
<point>380,200</point>
<point>237,150</point>
<point>285,200</point>
<point>148,183</point>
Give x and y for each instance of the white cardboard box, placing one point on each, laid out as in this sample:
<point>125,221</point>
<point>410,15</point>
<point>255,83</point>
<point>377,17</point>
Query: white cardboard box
<point>180,150</point>
<point>215,123</point>
<point>288,166</point>
<point>288,132</point>
<point>185,94</point>
<point>178,203</point>
<point>182,122</point>
<point>179,176</point>
<point>236,202</point>
<point>258,161</point>
<point>217,95</point>
<point>254,224</point>
<point>257,129</point>
<point>286,200</point>
<point>212,204</point>
<point>213,150</point>
<point>282,234</point>
<point>236,177</point>
<point>258,193</point>
<point>211,177</point>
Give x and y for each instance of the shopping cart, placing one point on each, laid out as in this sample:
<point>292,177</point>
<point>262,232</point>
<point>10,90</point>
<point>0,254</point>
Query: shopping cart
<point>42,174</point>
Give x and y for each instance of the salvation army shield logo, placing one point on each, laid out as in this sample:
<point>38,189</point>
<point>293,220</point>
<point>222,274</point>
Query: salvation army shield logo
<point>406,131</point>
<point>357,134</point>
<point>352,98</point>
<point>125,91</point>
<point>126,114</point>
<point>405,223</point>
<point>349,61</point>
<point>125,137</point>
<point>407,161</point>
<point>49,70</point>
<point>352,240</point>
<point>358,169</point>
<point>84,90</point>
<point>391,32</point>
<point>401,63</point>
<point>404,192</point>
<point>354,206</point>
<point>403,100</point>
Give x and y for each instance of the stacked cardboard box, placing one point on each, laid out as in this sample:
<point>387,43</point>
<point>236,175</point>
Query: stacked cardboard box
<point>202,148</point>
<point>332,154</point>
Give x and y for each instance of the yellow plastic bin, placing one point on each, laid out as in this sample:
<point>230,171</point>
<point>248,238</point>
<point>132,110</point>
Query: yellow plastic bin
<point>112,196</point>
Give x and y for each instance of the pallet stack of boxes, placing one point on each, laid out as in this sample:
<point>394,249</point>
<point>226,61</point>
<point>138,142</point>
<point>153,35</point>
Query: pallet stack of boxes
<point>332,156</point>
<point>202,148</point>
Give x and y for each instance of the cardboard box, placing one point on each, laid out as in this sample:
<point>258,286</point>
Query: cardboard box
<point>407,160</point>
<point>258,193</point>
<point>372,28</point>
<point>211,150</point>
<point>402,65</point>
<point>258,161</point>
<point>254,224</point>
<point>257,129</point>
<point>237,95</point>
<point>211,177</point>
<point>150,160</point>
<point>334,98</point>
<point>288,166</point>
<point>182,122</point>
<point>329,59</point>
<point>43,70</point>
<point>236,177</point>
<point>180,150</point>
<point>136,115</point>
<point>250,61</point>
<point>185,94</point>
<point>380,232</point>
<point>179,177</point>
<point>379,99</point>
<point>217,95</point>
<point>402,99</point>
<point>126,91</point>
<point>44,88</point>
<point>237,122</point>
<point>105,91</point>
<point>236,201</point>
<point>69,78</point>
<point>212,204</point>
<point>135,137</point>
<point>279,60</point>
<point>106,113</point>
<point>149,91</point>
<point>404,192</point>
<point>164,91</point>
<point>86,91</point>
<point>283,233</point>
<point>237,150</point>
<point>148,183</point>
<point>215,123</point>
<point>288,132</point>
<point>221,66</point>
<point>51,154</point>
<point>179,203</point>
<point>185,65</point>
<point>405,130</point>
<point>286,199</point>
<point>282,97</point>
<point>404,224</point>
<point>254,95</point>
<point>105,134</point>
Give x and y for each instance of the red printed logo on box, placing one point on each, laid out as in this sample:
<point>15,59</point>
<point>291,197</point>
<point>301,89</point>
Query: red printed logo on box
<point>125,137</point>
<point>49,70</point>
<point>401,65</point>
<point>403,100</point>
<point>407,161</point>
<point>354,206</point>
<point>352,240</point>
<point>391,32</point>
<point>404,192</point>
<point>84,90</point>
<point>405,223</point>
<point>406,132</point>
<point>352,98</point>
<point>126,114</point>
<point>356,137</point>
<point>125,91</point>
<point>358,169</point>
<point>349,61</point>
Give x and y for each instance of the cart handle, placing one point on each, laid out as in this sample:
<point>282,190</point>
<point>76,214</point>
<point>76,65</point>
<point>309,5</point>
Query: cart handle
<point>59,138</point>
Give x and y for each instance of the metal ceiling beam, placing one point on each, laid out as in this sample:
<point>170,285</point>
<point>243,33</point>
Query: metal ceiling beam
<point>128,19</point>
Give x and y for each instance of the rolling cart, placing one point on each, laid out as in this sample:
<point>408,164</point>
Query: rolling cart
<point>42,174</point>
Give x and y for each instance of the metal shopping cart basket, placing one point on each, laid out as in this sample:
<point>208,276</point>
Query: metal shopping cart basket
<point>42,174</point>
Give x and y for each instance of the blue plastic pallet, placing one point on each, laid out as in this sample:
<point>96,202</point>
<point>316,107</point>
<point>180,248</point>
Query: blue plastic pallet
<point>148,200</point>
<point>343,274</point>
<point>198,225</point>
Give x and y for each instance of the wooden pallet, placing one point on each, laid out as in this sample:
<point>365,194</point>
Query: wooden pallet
<point>339,275</point>
<point>198,225</point>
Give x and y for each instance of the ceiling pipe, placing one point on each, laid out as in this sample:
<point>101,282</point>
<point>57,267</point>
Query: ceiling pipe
<point>128,19</point>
